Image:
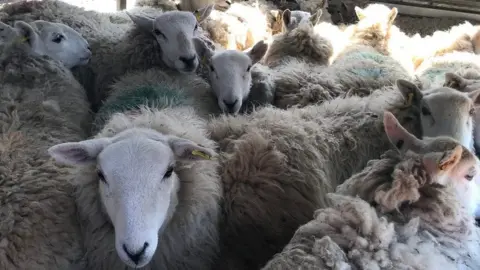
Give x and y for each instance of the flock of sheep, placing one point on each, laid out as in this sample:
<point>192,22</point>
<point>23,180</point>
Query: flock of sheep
<point>182,136</point>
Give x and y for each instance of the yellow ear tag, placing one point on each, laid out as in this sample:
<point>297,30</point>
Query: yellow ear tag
<point>201,154</point>
<point>409,100</point>
<point>22,40</point>
<point>197,15</point>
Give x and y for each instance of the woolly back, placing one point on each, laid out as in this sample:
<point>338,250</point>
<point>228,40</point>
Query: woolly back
<point>132,99</point>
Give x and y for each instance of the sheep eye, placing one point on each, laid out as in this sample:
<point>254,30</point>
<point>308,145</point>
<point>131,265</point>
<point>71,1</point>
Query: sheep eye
<point>168,173</point>
<point>101,176</point>
<point>212,69</point>
<point>248,68</point>
<point>58,38</point>
<point>158,33</point>
<point>196,27</point>
<point>469,177</point>
<point>426,111</point>
<point>472,111</point>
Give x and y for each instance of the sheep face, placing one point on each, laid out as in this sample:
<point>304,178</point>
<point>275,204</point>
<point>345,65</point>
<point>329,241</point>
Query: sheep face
<point>138,183</point>
<point>230,73</point>
<point>55,40</point>
<point>470,86</point>
<point>445,160</point>
<point>174,31</point>
<point>448,112</point>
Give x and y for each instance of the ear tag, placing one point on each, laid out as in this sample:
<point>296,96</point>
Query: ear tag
<point>409,101</point>
<point>197,15</point>
<point>22,40</point>
<point>201,154</point>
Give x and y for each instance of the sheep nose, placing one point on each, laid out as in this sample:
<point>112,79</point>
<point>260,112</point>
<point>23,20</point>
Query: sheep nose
<point>189,62</point>
<point>230,105</point>
<point>135,256</point>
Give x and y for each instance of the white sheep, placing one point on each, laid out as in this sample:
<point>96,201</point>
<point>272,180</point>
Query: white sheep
<point>144,190</point>
<point>432,75</point>
<point>41,105</point>
<point>237,80</point>
<point>293,158</point>
<point>403,211</point>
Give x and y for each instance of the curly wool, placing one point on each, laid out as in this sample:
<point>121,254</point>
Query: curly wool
<point>293,158</point>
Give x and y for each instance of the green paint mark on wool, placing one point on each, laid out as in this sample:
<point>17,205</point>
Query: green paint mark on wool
<point>153,96</point>
<point>434,72</point>
<point>375,56</point>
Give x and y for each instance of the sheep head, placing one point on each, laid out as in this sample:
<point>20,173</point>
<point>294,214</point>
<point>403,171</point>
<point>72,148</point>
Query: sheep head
<point>449,112</point>
<point>291,19</point>
<point>230,73</point>
<point>174,31</point>
<point>375,22</point>
<point>139,171</point>
<point>55,40</point>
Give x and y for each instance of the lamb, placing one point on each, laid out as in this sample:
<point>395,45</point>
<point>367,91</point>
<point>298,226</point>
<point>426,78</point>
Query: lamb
<point>242,86</point>
<point>41,105</point>
<point>147,184</point>
<point>291,158</point>
<point>403,211</point>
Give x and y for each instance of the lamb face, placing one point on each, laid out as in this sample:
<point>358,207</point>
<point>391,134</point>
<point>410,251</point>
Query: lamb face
<point>174,31</point>
<point>138,184</point>
<point>291,19</point>
<point>230,73</point>
<point>56,40</point>
<point>448,112</point>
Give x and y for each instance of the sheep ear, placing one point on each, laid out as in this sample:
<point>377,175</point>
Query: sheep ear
<point>397,134</point>
<point>359,12</point>
<point>287,17</point>
<point>392,15</point>
<point>78,153</point>
<point>275,15</point>
<point>187,150</point>
<point>26,33</point>
<point>475,96</point>
<point>442,162</point>
<point>142,21</point>
<point>455,81</point>
<point>315,18</point>
<point>410,92</point>
<point>203,51</point>
<point>203,13</point>
<point>258,51</point>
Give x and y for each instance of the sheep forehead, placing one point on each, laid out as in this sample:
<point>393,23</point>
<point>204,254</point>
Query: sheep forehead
<point>175,21</point>
<point>135,158</point>
<point>230,60</point>
<point>46,29</point>
<point>447,98</point>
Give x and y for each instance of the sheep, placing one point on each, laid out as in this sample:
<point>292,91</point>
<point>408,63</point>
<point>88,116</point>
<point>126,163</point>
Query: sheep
<point>290,158</point>
<point>131,50</point>
<point>156,88</point>
<point>403,211</point>
<point>244,84</point>
<point>165,42</point>
<point>171,219</point>
<point>432,75</point>
<point>41,105</point>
